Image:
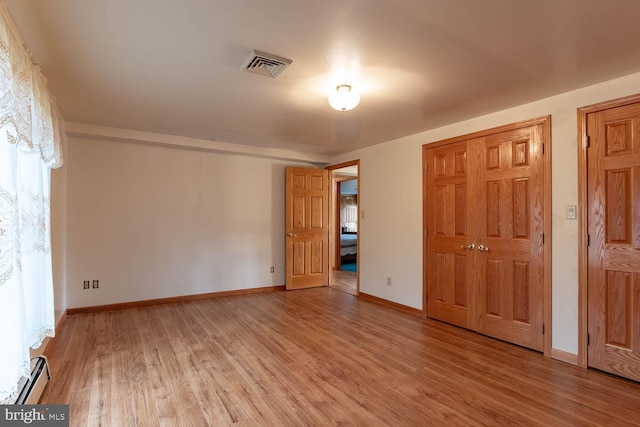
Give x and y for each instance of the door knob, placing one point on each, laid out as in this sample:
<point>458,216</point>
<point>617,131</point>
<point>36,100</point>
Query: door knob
<point>470,247</point>
<point>290,234</point>
<point>483,248</point>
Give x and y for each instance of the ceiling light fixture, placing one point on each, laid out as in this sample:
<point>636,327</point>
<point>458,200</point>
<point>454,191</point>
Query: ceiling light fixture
<point>344,98</point>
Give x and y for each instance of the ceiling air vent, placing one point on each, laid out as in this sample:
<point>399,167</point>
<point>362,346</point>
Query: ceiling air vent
<point>265,64</point>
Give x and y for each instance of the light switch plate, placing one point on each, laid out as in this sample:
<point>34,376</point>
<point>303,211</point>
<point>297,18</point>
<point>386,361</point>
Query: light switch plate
<point>572,212</point>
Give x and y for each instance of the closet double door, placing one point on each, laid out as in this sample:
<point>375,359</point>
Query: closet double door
<point>484,267</point>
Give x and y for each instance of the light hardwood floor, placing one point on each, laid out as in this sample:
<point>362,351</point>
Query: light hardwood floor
<point>345,281</point>
<point>313,357</point>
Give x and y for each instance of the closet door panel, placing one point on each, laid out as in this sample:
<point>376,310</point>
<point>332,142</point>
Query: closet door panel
<point>448,272</point>
<point>510,286</point>
<point>484,218</point>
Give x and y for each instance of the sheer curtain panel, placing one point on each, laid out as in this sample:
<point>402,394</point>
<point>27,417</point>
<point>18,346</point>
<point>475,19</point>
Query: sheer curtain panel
<point>29,147</point>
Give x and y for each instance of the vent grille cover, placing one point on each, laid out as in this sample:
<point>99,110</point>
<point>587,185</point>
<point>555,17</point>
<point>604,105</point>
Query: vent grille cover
<point>265,64</point>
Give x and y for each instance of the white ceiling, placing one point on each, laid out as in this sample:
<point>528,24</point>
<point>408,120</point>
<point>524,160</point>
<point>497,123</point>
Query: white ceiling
<point>173,67</point>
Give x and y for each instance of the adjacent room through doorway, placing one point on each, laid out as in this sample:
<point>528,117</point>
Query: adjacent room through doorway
<point>344,220</point>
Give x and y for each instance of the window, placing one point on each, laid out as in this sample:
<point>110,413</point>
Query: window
<point>29,148</point>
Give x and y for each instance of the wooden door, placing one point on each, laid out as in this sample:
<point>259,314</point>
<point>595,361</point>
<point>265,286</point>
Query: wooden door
<point>485,223</point>
<point>510,237</point>
<point>613,197</point>
<point>307,240</point>
<point>448,266</point>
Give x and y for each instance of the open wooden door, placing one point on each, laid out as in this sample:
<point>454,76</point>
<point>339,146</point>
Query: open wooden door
<point>306,225</point>
<point>613,186</point>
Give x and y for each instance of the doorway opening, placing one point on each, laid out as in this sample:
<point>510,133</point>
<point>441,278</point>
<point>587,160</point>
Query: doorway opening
<point>344,236</point>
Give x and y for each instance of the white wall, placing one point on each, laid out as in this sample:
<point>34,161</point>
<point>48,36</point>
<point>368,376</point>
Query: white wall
<point>153,222</point>
<point>59,237</point>
<point>391,185</point>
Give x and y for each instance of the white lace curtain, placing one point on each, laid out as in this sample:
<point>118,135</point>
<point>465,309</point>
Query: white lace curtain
<point>29,147</point>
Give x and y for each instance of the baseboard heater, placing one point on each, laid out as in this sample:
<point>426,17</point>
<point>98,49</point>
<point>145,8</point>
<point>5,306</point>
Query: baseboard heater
<point>34,385</point>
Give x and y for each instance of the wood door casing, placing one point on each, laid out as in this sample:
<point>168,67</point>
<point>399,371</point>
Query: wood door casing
<point>306,224</point>
<point>498,201</point>
<point>335,172</point>
<point>613,198</point>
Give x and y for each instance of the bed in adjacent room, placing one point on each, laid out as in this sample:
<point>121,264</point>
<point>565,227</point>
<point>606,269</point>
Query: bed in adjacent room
<point>348,247</point>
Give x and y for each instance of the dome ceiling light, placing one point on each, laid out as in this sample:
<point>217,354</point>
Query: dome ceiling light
<point>344,98</point>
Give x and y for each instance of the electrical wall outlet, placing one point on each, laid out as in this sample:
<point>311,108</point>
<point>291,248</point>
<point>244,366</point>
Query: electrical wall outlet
<point>272,269</point>
<point>85,284</point>
<point>96,284</point>
<point>389,281</point>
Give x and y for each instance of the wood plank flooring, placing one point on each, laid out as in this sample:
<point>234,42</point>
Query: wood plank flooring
<point>313,357</point>
<point>345,281</point>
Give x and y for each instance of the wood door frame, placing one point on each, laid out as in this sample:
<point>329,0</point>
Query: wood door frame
<point>545,121</point>
<point>583,218</point>
<point>333,229</point>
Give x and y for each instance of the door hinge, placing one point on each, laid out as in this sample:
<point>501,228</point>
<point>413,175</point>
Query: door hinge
<point>588,141</point>
<point>543,329</point>
<point>588,239</point>
<point>542,148</point>
<point>588,339</point>
<point>543,238</point>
